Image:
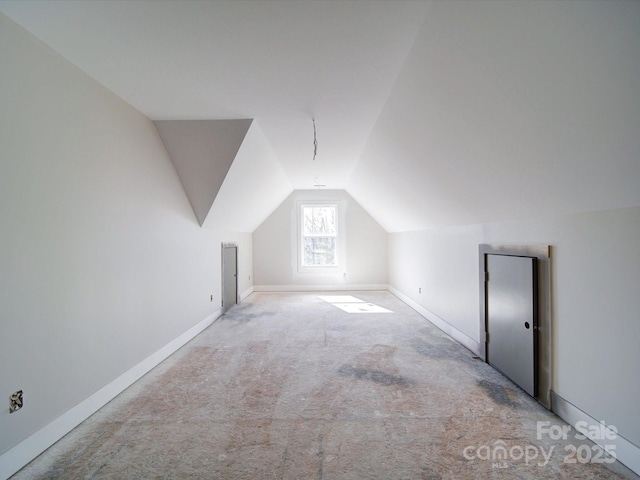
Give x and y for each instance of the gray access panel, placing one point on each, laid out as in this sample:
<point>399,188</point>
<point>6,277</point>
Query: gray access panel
<point>229,276</point>
<point>511,318</point>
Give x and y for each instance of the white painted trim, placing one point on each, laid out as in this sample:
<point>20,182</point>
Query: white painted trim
<point>18,456</point>
<point>318,288</point>
<point>626,452</point>
<point>246,293</point>
<point>447,328</point>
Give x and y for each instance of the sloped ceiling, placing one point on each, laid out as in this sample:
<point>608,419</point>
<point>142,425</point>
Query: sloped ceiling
<point>202,152</point>
<point>281,63</point>
<point>509,110</point>
<point>228,169</point>
<point>253,188</point>
<point>428,113</point>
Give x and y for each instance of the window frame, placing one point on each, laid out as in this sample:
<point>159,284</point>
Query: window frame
<point>302,267</point>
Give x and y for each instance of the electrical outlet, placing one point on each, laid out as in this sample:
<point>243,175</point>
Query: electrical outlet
<point>212,298</point>
<point>420,290</point>
<point>15,401</point>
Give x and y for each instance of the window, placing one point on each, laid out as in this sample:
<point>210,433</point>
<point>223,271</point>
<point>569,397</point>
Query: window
<point>319,232</point>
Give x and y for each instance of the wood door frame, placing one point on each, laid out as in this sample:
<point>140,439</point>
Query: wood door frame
<point>222,271</point>
<point>543,255</point>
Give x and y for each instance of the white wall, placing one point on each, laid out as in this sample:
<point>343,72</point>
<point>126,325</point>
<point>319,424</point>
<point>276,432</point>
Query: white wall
<point>595,273</point>
<point>275,247</point>
<point>102,261</point>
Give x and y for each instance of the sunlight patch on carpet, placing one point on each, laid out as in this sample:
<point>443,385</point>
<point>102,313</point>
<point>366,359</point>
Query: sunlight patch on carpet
<point>350,304</point>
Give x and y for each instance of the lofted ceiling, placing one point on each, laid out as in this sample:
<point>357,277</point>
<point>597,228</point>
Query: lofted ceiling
<point>429,113</point>
<point>280,63</point>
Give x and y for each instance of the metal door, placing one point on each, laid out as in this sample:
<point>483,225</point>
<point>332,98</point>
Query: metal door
<point>511,318</point>
<point>229,276</point>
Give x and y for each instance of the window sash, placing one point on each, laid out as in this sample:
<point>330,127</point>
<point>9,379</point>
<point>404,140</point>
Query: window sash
<point>319,252</point>
<point>316,253</point>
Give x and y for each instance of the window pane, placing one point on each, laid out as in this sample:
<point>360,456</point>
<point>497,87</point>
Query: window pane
<point>319,220</point>
<point>319,251</point>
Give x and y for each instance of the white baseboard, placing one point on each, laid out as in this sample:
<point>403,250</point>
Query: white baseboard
<point>318,288</point>
<point>626,452</point>
<point>447,328</point>
<point>246,293</point>
<point>20,455</point>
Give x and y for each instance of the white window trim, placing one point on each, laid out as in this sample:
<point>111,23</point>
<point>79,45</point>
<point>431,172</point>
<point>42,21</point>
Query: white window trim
<point>339,223</point>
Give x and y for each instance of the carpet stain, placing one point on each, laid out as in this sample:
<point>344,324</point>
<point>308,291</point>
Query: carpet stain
<point>496,392</point>
<point>374,375</point>
<point>439,350</point>
<point>240,315</point>
<point>429,473</point>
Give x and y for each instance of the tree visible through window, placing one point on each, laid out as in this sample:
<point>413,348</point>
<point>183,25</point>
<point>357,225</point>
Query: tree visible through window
<point>319,233</point>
